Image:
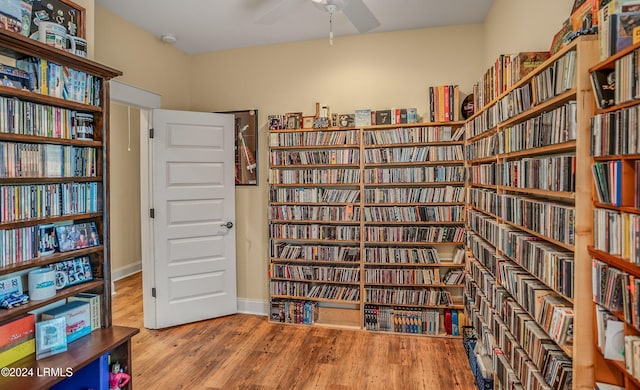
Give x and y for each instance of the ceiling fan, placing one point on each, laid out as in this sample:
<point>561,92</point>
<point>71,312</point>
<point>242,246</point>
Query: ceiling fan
<point>355,10</point>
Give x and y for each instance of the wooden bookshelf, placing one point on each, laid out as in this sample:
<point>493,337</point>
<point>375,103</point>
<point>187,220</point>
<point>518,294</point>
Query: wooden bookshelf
<point>394,192</point>
<point>108,339</point>
<point>503,216</point>
<point>615,244</point>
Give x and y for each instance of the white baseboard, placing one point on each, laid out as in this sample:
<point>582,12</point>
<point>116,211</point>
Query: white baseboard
<point>123,272</point>
<point>253,306</point>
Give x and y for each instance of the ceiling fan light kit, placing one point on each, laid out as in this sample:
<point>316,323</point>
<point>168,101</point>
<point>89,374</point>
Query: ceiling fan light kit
<point>168,38</point>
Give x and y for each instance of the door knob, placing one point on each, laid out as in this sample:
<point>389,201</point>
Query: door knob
<point>228,225</point>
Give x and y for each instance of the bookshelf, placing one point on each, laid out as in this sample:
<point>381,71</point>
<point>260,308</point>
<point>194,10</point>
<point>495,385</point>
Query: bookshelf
<point>615,254</point>
<point>364,227</point>
<point>529,225</point>
<point>33,196</point>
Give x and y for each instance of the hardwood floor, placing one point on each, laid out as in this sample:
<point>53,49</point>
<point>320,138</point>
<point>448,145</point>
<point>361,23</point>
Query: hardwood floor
<point>247,352</point>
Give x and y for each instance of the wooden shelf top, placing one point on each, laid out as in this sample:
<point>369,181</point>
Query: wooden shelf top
<point>309,261</point>
<point>50,259</point>
<point>535,191</point>
<point>37,221</point>
<point>416,184</point>
<point>372,128</point>
<point>547,149</point>
<point>314,221</point>
<point>616,261</point>
<point>413,265</point>
<point>47,100</point>
<point>413,163</point>
<point>327,146</point>
<point>79,353</point>
<point>625,209</point>
<point>49,180</point>
<point>302,298</point>
<point>314,166</point>
<point>17,46</point>
<point>412,144</point>
<point>36,139</point>
<point>60,294</point>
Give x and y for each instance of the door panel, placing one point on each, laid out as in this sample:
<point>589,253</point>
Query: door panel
<point>193,198</point>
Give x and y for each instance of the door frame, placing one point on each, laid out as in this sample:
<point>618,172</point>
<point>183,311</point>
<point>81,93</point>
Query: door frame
<point>146,101</point>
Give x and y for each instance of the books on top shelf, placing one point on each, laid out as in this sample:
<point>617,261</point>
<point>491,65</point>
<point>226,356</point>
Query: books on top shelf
<point>444,103</point>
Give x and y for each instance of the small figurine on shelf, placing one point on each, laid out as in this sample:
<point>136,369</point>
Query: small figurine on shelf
<point>117,377</point>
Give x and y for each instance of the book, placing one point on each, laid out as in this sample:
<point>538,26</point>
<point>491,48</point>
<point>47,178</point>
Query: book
<point>77,315</point>
<point>603,85</point>
<point>16,331</point>
<point>383,117</point>
<point>94,302</point>
<point>17,352</point>
<point>362,117</point>
<point>412,115</point>
<point>528,61</point>
<point>51,337</point>
<point>621,30</point>
<point>614,341</point>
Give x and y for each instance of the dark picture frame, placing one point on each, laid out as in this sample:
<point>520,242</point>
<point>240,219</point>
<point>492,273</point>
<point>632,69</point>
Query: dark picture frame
<point>63,12</point>
<point>246,146</point>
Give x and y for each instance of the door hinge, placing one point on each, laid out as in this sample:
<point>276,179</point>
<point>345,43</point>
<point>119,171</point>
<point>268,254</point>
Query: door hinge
<point>153,292</point>
<point>152,213</point>
<point>151,133</point>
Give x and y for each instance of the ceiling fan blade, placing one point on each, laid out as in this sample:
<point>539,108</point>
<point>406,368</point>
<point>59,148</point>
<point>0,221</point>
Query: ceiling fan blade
<point>360,16</point>
<point>277,11</point>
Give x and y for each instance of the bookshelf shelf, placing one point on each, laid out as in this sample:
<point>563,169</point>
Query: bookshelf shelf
<point>500,250</point>
<point>375,220</point>
<point>93,101</point>
<point>618,157</point>
<point>305,147</point>
<point>626,209</point>
<point>426,306</point>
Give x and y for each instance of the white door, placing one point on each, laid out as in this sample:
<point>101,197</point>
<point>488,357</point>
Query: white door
<point>193,201</point>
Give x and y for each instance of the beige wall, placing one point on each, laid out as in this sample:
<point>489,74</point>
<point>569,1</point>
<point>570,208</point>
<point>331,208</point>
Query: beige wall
<point>374,71</point>
<point>125,186</point>
<point>522,25</point>
<point>146,62</point>
<point>367,71</point>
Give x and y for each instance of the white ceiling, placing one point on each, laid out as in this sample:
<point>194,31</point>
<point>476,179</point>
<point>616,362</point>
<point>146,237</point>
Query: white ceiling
<point>210,25</point>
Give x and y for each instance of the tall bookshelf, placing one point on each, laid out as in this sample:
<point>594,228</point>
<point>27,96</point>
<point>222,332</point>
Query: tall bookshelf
<point>364,223</point>
<point>615,252</point>
<point>16,136</point>
<point>529,224</point>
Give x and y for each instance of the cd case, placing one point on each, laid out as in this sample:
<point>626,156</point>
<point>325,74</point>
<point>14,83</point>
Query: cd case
<point>51,337</point>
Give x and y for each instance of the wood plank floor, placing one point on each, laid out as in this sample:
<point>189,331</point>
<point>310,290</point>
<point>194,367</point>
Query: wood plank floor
<point>247,352</point>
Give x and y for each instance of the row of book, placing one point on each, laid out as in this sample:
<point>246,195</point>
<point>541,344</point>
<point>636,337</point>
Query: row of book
<point>313,195</point>
<point>413,320</point>
<point>412,135</point>
<point>607,179</point>
<point>453,234</point>
<point>446,194</point>
<point>28,118</point>
<point>549,128</point>
<point>444,103</point>
<point>486,120</point>
<point>315,138</point>
<point>616,23</point>
<point>482,148</point>
<point>416,296</point>
<point>515,102</point>
<point>483,174</point>
<point>314,176</point>
<point>36,201</point>
<point>485,226</point>
<point>485,200</point>
<point>46,160</point>
<point>549,263</point>
<point>617,233</point>
<point>520,338</point>
<point>314,213</point>
<point>413,154</point>
<point>556,79</point>
<point>309,290</point>
<point>413,276</point>
<point>294,312</point>
<point>48,78</point>
<point>550,173</point>
<point>395,255</point>
<point>553,220</point>
<point>507,70</point>
<point>614,344</point>
<point>18,245</point>
<point>315,157</point>
<point>617,291</point>
<point>414,214</point>
<point>314,232</point>
<point>437,174</point>
<point>615,133</point>
<point>367,117</point>
<point>309,252</point>
<point>314,273</point>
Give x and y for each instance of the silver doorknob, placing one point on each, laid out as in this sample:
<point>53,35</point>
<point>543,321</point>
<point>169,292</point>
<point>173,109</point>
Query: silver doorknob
<point>228,225</point>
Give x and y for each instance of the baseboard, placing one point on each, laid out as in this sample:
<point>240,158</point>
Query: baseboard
<point>253,306</point>
<point>123,272</point>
